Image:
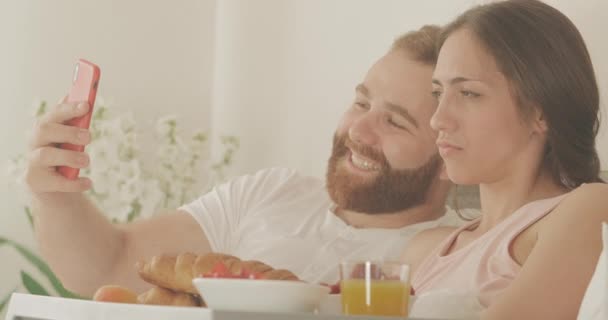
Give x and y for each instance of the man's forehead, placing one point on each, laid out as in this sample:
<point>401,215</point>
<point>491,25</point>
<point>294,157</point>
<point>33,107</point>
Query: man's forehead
<point>397,85</point>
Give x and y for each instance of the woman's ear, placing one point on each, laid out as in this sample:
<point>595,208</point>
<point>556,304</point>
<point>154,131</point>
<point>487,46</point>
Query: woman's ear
<point>539,123</point>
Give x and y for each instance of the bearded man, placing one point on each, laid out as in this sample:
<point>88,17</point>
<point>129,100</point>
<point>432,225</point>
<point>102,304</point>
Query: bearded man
<point>383,186</point>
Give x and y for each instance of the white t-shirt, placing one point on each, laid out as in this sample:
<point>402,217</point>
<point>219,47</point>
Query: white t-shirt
<point>287,221</point>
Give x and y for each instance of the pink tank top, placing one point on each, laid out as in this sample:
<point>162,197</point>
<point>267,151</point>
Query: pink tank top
<point>484,267</point>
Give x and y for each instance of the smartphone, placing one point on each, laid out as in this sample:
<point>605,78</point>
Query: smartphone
<point>84,89</point>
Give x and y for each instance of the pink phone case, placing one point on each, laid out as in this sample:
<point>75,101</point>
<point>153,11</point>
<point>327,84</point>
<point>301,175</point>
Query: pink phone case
<point>84,89</point>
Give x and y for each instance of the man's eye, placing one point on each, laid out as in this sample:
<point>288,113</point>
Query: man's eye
<point>469,94</point>
<point>436,94</point>
<point>362,105</point>
<point>395,124</point>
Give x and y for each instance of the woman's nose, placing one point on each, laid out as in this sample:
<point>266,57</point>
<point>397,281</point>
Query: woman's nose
<point>442,119</point>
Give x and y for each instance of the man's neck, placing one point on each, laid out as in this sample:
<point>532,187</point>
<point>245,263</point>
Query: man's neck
<point>395,220</point>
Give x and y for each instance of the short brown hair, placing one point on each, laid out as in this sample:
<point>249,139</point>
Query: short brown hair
<point>544,58</point>
<point>420,44</point>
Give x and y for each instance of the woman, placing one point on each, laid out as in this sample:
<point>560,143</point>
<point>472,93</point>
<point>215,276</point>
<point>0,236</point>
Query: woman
<point>517,114</point>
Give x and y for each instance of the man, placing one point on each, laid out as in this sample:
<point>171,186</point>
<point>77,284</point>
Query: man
<point>382,187</point>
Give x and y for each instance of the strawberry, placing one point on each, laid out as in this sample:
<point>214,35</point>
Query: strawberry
<point>219,270</point>
<point>333,288</point>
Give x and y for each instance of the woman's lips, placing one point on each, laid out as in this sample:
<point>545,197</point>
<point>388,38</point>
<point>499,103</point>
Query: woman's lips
<point>446,148</point>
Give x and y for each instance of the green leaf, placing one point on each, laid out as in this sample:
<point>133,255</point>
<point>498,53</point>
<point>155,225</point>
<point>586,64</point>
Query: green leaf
<point>5,300</point>
<point>41,109</point>
<point>42,267</point>
<point>30,218</point>
<point>100,113</point>
<point>200,137</point>
<point>33,286</point>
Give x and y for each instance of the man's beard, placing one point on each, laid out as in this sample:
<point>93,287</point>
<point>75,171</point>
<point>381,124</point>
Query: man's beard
<point>390,191</point>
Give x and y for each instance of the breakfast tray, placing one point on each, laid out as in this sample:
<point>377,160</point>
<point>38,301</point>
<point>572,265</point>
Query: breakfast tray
<point>31,307</point>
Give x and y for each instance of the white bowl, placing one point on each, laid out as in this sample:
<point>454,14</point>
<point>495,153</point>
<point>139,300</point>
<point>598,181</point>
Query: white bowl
<point>260,295</point>
<point>331,305</point>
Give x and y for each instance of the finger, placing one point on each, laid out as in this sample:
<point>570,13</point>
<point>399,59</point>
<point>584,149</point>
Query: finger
<point>66,111</point>
<point>47,133</point>
<point>46,157</point>
<point>41,181</point>
<point>59,183</point>
<point>63,100</point>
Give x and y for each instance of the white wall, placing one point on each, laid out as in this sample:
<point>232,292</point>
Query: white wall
<point>286,69</point>
<point>155,58</point>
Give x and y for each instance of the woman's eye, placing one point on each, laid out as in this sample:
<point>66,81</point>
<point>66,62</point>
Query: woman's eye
<point>469,94</point>
<point>436,94</point>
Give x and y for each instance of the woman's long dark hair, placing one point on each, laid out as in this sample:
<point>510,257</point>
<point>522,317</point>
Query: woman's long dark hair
<point>544,57</point>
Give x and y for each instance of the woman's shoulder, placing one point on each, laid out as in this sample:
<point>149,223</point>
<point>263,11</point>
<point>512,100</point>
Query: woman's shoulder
<point>587,200</point>
<point>594,188</point>
<point>585,206</point>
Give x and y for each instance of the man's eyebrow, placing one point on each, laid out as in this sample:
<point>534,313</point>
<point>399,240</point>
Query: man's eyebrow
<point>455,80</point>
<point>402,112</point>
<point>390,106</point>
<point>362,89</point>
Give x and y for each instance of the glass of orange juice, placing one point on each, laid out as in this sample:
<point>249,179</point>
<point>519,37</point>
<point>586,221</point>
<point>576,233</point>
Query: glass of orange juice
<point>379,288</point>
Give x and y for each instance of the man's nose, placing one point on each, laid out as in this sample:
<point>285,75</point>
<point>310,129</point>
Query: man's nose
<point>364,130</point>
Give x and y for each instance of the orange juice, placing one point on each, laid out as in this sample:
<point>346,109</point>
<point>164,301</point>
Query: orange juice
<point>376,297</point>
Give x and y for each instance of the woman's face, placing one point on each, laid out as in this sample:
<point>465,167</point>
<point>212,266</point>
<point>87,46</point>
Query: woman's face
<point>482,136</point>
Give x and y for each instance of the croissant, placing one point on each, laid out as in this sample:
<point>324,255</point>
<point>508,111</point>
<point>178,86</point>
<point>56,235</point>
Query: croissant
<point>166,297</point>
<point>176,272</point>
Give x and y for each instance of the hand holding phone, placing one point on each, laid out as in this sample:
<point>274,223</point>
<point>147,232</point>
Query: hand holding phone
<point>84,89</point>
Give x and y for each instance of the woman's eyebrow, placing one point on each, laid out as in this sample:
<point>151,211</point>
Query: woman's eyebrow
<point>455,80</point>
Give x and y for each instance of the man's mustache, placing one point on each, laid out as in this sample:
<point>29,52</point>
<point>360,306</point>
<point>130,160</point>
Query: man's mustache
<point>345,143</point>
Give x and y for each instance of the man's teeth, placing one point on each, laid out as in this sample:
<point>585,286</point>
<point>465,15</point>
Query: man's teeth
<point>362,163</point>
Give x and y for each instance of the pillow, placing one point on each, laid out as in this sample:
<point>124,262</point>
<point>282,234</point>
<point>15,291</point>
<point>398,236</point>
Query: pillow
<point>595,301</point>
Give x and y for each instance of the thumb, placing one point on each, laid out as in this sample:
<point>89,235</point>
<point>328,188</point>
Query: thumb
<point>63,100</point>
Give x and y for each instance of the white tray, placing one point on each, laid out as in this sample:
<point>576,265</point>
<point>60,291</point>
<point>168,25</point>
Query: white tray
<point>31,307</point>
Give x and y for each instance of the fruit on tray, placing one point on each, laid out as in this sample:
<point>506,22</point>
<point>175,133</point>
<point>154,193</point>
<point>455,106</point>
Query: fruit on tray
<point>115,293</point>
<point>172,278</point>
<point>176,272</point>
<point>166,297</point>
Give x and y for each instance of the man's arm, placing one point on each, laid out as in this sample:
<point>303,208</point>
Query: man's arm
<point>80,244</point>
<point>87,251</point>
